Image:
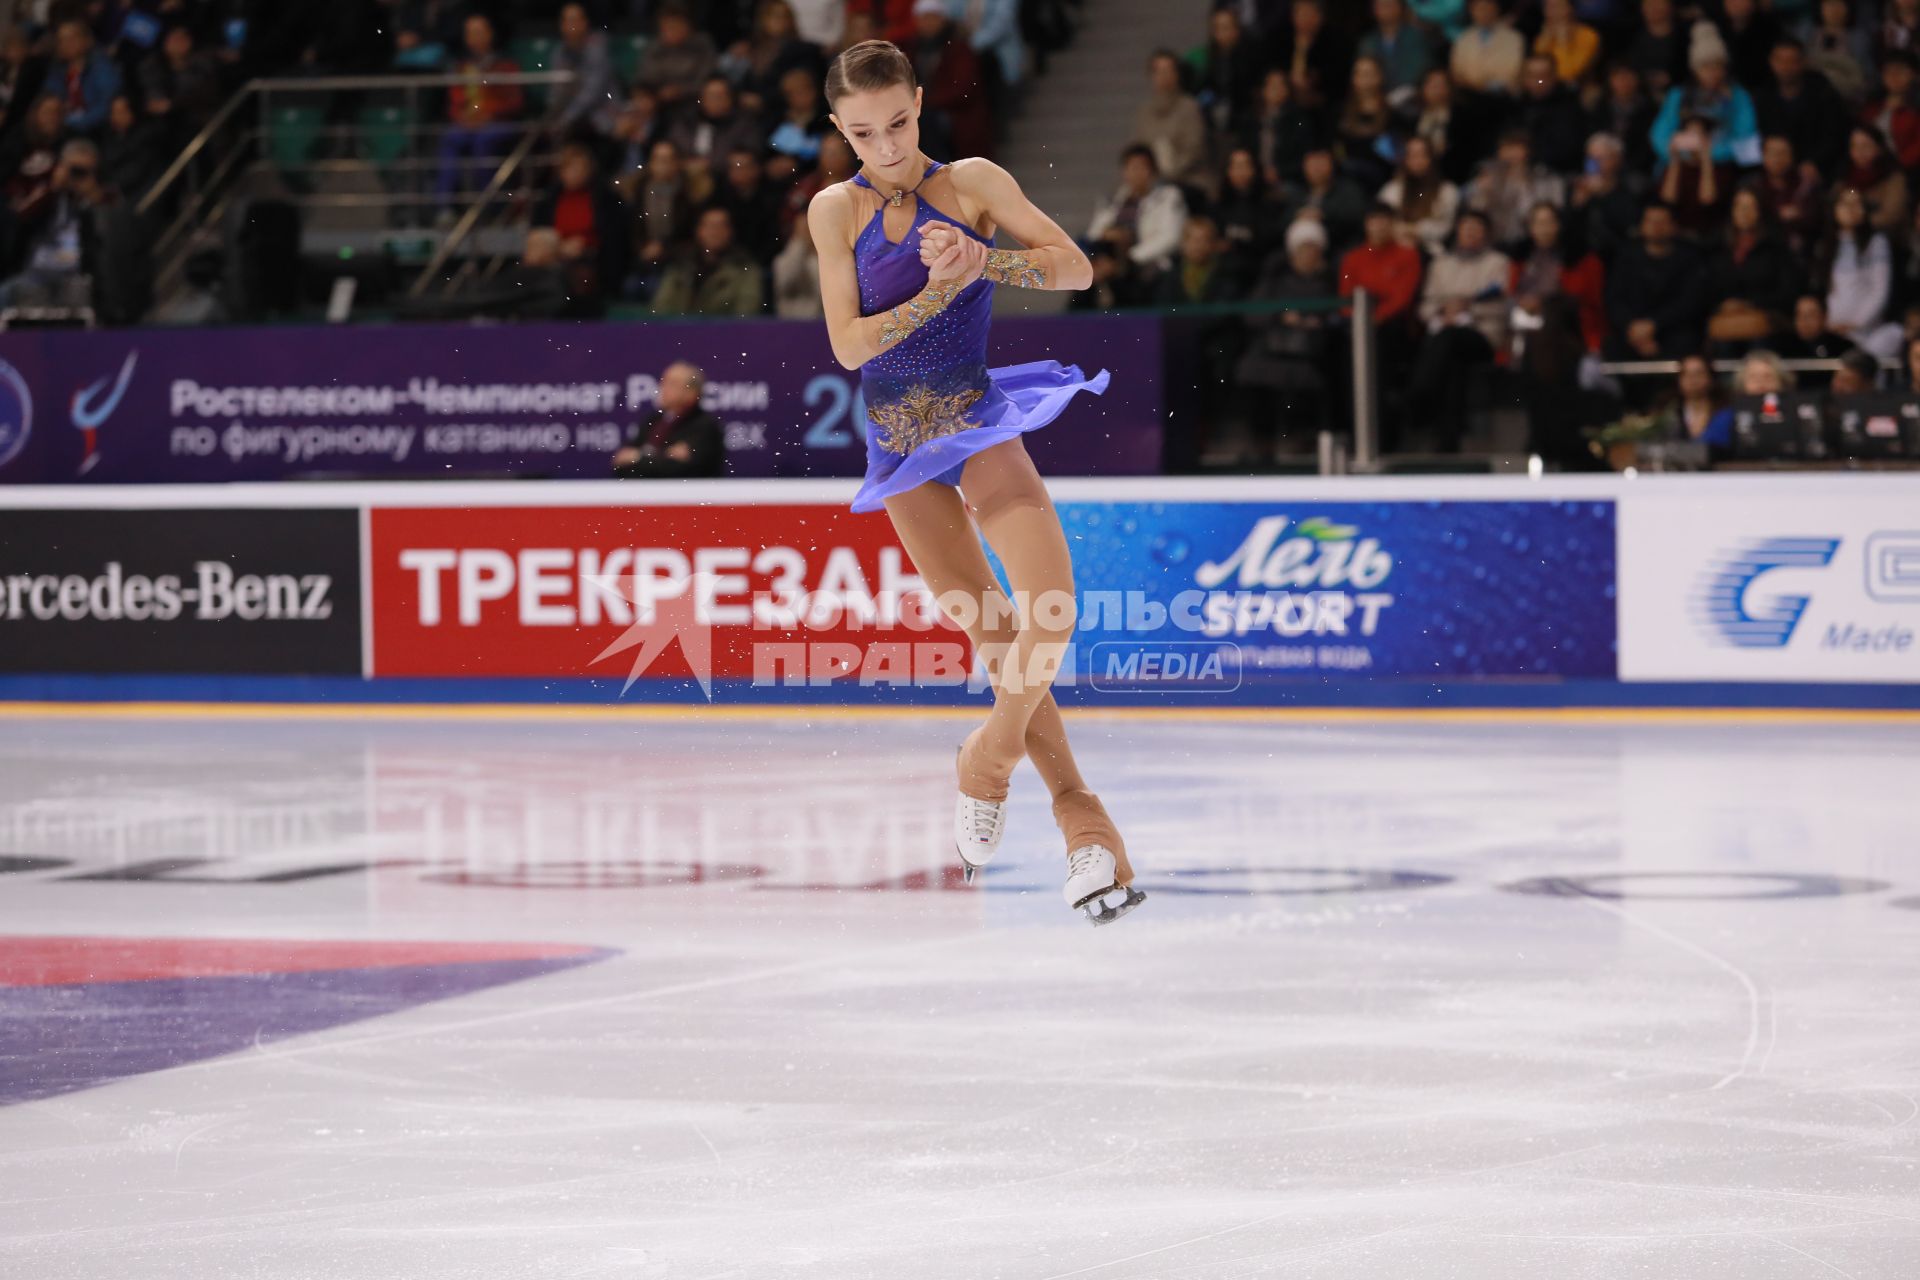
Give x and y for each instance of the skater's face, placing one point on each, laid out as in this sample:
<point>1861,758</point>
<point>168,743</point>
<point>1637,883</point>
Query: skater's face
<point>883,127</point>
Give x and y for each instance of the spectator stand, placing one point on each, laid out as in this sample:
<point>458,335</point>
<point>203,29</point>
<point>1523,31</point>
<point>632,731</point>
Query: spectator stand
<point>352,177</point>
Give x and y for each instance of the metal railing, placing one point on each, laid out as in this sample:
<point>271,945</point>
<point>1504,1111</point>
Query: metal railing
<point>197,188</point>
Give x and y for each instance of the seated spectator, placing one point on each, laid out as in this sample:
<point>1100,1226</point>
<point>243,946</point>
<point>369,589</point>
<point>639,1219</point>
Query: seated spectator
<point>1856,264</point>
<point>1696,186</point>
<point>1749,32</point>
<point>1606,199</point>
<point>1390,272</point>
<point>957,115</point>
<point>1362,130</point>
<point>133,153</point>
<point>1311,55</point>
<point>1169,122</point>
<point>1899,27</point>
<point>1464,306</point>
<point>1761,374</point>
<point>1509,185</point>
<point>84,79</point>
<point>1551,114</point>
<point>1691,407</point>
<point>796,276</point>
<point>181,84</point>
<point>426,32</point>
<point>715,277</point>
<point>1752,274</point>
<point>1551,267</point>
<point>635,129</point>
<point>662,213</point>
<point>1488,55</point>
<point>1248,212</point>
<point>28,158</point>
<point>591,228</point>
<point>1283,371</point>
<point>1858,374</point>
<point>1447,129</point>
<point>1279,132</point>
<point>1654,293</point>
<point>1227,69</point>
<point>1201,273</point>
<point>801,126</point>
<point>1143,217</point>
<point>1839,49</point>
<point>591,105</point>
<point>679,439</point>
<point>822,23</point>
<point>1894,112</point>
<point>1799,104</point>
<point>716,129</point>
<point>22,72</point>
<point>1425,204</point>
<point>1872,172</point>
<point>1627,113</point>
<point>1809,338</point>
<point>1659,48</point>
<point>59,246</point>
<point>837,164</point>
<point>480,113</point>
<point>1402,50</point>
<point>1712,95</point>
<point>1790,195</point>
<point>992,29</point>
<point>1572,44</point>
<point>754,203</point>
<point>1117,282</point>
<point>1447,17</point>
<point>1334,198</point>
<point>775,52</point>
<point>679,59</point>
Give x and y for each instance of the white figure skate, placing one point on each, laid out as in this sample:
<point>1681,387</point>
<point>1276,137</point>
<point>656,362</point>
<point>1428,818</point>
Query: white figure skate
<point>978,826</point>
<point>1090,878</point>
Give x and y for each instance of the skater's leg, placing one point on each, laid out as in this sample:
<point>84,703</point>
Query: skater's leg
<point>941,540</point>
<point>1016,514</point>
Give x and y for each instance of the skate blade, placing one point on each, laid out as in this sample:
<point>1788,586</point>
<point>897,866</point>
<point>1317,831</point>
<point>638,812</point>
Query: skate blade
<point>1099,913</point>
<point>967,870</point>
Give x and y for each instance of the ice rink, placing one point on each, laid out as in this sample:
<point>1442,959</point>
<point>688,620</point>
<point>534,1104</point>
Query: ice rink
<point>663,996</point>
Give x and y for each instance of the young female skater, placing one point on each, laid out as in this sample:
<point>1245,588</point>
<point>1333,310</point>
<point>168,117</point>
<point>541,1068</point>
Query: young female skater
<point>907,270</point>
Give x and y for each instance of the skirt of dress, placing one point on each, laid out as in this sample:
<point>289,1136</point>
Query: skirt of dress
<point>1023,397</point>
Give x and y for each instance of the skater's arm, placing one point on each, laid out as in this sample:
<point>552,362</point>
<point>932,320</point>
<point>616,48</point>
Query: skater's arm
<point>856,338</point>
<point>1051,259</point>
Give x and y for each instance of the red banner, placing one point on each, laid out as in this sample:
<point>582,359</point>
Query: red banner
<point>659,592</point>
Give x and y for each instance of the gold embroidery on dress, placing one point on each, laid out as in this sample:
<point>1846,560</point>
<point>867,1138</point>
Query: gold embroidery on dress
<point>916,311</point>
<point>1015,267</point>
<point>920,415</point>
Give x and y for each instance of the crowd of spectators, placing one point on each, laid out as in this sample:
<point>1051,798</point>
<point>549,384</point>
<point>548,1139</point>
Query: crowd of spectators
<point>676,176</point>
<point>1544,185</point>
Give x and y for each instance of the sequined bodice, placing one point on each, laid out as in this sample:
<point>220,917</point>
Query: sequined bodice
<point>927,385</point>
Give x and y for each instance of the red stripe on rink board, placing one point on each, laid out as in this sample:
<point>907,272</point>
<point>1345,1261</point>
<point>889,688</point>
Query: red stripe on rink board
<point>54,962</point>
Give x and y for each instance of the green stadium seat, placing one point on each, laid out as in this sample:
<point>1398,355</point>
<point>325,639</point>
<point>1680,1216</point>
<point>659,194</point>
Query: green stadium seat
<point>627,51</point>
<point>386,133</point>
<point>294,131</point>
<point>531,54</point>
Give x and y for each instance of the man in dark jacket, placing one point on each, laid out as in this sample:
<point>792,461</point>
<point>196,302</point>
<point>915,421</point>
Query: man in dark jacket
<point>681,439</point>
<point>1802,106</point>
<point>1655,306</point>
<point>1551,114</point>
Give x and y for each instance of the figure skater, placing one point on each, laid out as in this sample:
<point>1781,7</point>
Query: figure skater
<point>907,270</point>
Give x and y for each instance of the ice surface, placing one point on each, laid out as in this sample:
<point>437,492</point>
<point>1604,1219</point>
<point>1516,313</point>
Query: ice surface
<point>1333,1043</point>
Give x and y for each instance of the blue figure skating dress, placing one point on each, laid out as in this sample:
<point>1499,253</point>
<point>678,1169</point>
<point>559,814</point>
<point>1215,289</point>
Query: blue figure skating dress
<point>932,403</point>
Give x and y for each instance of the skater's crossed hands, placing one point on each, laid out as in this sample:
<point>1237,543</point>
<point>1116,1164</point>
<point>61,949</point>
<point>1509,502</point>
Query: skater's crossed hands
<point>950,255</point>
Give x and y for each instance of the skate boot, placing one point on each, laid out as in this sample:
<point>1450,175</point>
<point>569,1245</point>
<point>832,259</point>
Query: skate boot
<point>979,815</point>
<point>1097,864</point>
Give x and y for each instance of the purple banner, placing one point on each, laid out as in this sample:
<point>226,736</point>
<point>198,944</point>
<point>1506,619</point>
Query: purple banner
<point>208,405</point>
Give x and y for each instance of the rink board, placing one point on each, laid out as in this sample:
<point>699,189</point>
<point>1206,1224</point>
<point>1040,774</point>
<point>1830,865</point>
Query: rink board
<point>1193,594</point>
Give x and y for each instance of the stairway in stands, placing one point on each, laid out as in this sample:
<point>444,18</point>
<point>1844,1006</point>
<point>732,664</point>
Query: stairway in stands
<point>1065,146</point>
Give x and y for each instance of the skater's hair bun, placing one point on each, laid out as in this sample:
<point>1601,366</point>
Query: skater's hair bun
<point>867,67</point>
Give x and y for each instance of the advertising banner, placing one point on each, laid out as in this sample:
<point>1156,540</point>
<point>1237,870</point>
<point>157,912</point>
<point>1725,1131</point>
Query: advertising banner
<point>1738,587</point>
<point>176,406</point>
<point>1174,596</point>
<point>206,592</point>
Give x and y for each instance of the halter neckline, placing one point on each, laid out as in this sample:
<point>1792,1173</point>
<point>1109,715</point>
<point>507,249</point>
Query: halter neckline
<point>860,179</point>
